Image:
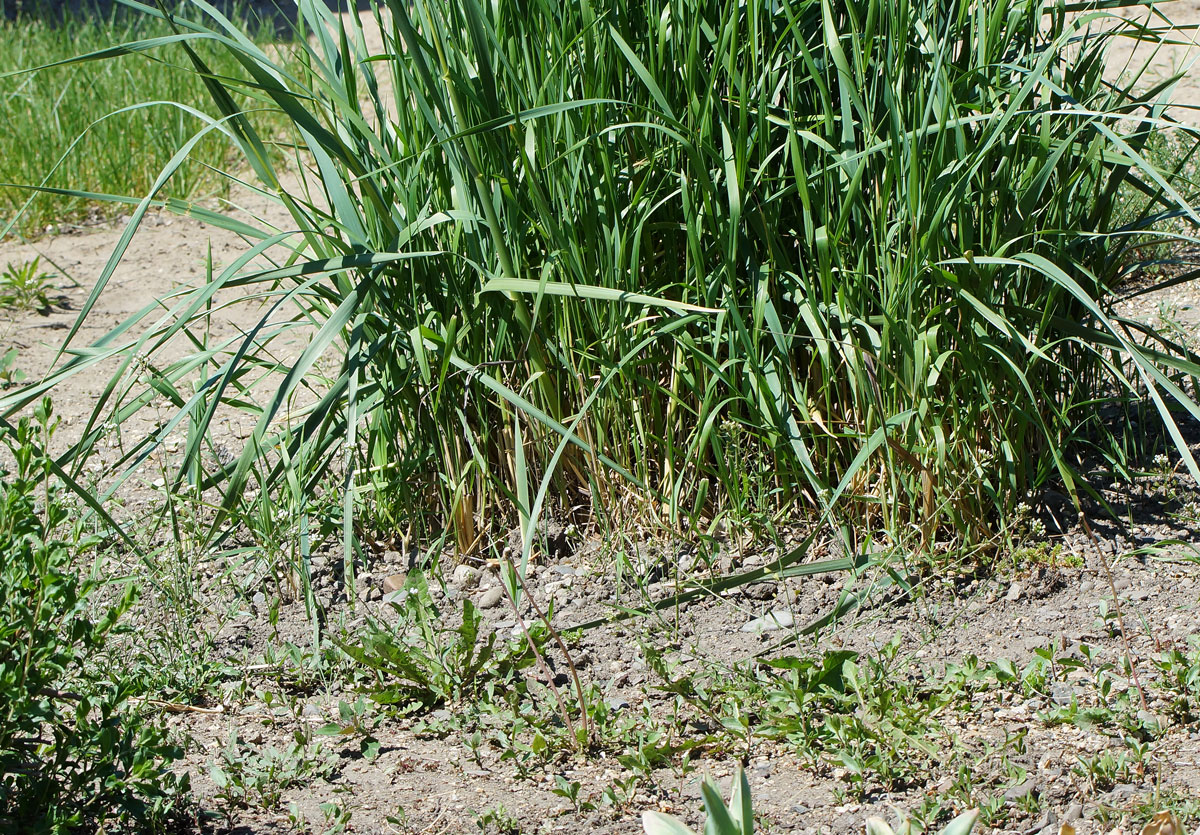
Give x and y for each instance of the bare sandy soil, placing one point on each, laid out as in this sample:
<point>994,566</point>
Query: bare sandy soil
<point>428,777</point>
<point>1155,60</point>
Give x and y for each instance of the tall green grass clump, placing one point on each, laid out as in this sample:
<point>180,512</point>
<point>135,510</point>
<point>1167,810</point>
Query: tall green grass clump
<point>105,127</point>
<point>692,261</point>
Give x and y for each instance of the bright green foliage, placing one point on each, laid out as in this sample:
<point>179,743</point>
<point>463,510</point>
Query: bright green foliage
<point>755,259</point>
<point>735,819</point>
<point>65,118</point>
<point>9,373</point>
<point>859,713</point>
<point>962,825</point>
<point>422,662</point>
<point>26,288</point>
<point>72,751</point>
<point>250,776</point>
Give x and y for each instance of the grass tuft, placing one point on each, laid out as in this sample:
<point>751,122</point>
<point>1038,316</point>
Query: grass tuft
<point>704,265</point>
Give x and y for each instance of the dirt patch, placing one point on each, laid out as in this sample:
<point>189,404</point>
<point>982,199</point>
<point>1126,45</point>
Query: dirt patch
<point>1024,746</point>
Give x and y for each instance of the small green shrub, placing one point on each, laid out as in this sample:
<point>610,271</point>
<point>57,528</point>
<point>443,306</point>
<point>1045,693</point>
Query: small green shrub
<point>961,825</point>
<point>27,288</point>
<point>72,751</point>
<point>423,663</point>
<point>10,375</point>
<point>254,777</point>
<point>737,818</point>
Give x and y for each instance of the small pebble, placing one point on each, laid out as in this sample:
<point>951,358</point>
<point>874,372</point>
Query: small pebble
<point>490,598</point>
<point>464,576</point>
<point>781,619</point>
<point>1021,791</point>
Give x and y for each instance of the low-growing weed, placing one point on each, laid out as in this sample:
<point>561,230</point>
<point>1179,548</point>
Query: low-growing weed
<point>961,825</point>
<point>498,819</point>
<point>248,776</point>
<point>10,375</point>
<point>74,751</point>
<point>1180,680</point>
<point>421,662</point>
<point>620,792</point>
<point>733,818</point>
<point>570,790</point>
<point>359,719</point>
<point>337,817</point>
<point>1183,806</point>
<point>880,723</point>
<point>26,288</point>
<point>861,715</point>
<point>1106,769</point>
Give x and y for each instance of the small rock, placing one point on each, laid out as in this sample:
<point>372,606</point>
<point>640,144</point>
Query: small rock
<point>1062,694</point>
<point>1020,791</point>
<point>464,576</point>
<point>490,598</point>
<point>781,619</point>
<point>1074,812</point>
<point>1014,593</point>
<point>1151,721</point>
<point>259,600</point>
<point>1046,824</point>
<point>1122,791</point>
<point>761,591</point>
<point>394,582</point>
